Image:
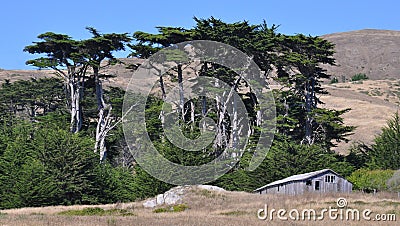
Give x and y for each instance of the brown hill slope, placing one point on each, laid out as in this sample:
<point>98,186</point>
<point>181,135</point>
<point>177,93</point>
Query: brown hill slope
<point>370,110</point>
<point>373,52</point>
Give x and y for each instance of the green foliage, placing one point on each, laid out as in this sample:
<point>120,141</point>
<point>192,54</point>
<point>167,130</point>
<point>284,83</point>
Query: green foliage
<point>370,180</point>
<point>69,158</point>
<point>90,211</point>
<point>296,108</point>
<point>358,157</point>
<point>96,211</point>
<point>306,54</point>
<point>359,77</point>
<point>58,48</point>
<point>30,98</point>
<point>146,185</point>
<point>384,153</point>
<point>101,46</point>
<point>285,158</point>
<point>17,165</point>
<point>115,184</point>
<point>330,127</point>
<point>179,207</point>
<point>42,163</point>
<point>334,80</point>
<point>172,209</point>
<point>45,165</point>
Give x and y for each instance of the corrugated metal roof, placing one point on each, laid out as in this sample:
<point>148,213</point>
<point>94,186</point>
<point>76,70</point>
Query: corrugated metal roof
<point>298,177</point>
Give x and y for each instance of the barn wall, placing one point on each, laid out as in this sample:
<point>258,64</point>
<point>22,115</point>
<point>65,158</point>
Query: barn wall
<point>339,184</point>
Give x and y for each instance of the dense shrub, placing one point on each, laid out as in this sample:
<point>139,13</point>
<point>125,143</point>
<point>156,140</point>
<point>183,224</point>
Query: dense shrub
<point>370,180</point>
<point>386,148</point>
<point>44,165</point>
<point>174,209</point>
<point>334,80</point>
<point>359,77</point>
<point>96,211</point>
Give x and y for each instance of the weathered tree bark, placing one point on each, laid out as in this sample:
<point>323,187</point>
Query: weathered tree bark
<point>106,121</point>
<point>164,96</point>
<point>76,109</point>
<point>222,106</point>
<point>204,106</point>
<point>74,84</point>
<point>218,138</point>
<point>102,129</point>
<point>181,96</point>
<point>234,124</point>
<point>104,117</point>
<point>192,115</point>
<point>204,69</point>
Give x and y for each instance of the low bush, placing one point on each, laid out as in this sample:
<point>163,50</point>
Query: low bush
<point>96,211</point>
<point>334,80</point>
<point>174,209</point>
<point>370,180</point>
<point>359,77</point>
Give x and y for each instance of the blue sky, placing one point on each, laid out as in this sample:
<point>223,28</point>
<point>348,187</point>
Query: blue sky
<point>21,21</point>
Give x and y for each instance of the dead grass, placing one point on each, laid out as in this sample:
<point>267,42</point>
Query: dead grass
<point>210,208</point>
<point>373,52</point>
<point>370,107</point>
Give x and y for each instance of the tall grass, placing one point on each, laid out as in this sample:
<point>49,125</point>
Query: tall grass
<point>206,208</point>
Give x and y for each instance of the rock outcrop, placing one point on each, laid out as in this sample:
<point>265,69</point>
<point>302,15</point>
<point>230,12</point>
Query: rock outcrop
<point>175,195</point>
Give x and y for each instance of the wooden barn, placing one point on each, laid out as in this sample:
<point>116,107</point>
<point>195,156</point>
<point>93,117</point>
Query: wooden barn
<point>322,181</point>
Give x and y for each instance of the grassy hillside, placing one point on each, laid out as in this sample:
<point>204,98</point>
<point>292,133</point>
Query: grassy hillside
<point>205,208</point>
<point>373,52</point>
<point>373,102</point>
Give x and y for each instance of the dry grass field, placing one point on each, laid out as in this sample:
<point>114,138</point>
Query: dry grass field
<point>372,103</point>
<point>215,208</point>
<point>373,52</point>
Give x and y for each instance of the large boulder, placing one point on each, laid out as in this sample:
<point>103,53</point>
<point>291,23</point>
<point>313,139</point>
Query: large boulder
<point>175,195</point>
<point>150,203</point>
<point>210,188</point>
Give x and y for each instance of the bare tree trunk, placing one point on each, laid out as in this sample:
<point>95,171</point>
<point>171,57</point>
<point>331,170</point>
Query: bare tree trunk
<point>103,123</point>
<point>204,111</point>
<point>181,96</point>
<point>104,118</point>
<point>234,123</point>
<point>192,115</point>
<point>74,87</point>
<point>164,96</point>
<point>76,114</point>
<point>221,109</point>
<point>204,106</point>
<point>218,138</point>
<point>204,99</point>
